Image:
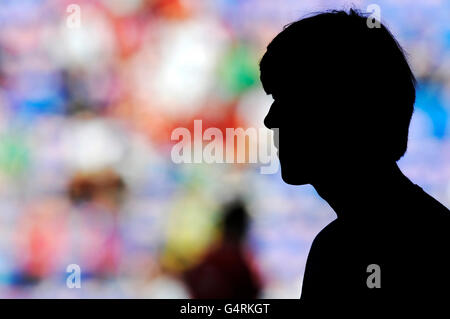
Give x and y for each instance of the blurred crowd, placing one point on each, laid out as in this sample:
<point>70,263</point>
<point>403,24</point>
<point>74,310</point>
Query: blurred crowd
<point>86,115</point>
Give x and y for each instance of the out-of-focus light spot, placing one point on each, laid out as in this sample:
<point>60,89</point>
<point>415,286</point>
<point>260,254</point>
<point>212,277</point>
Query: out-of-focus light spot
<point>92,144</point>
<point>182,80</point>
<point>120,7</point>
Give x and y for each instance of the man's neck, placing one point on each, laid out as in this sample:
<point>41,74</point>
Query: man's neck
<point>356,190</point>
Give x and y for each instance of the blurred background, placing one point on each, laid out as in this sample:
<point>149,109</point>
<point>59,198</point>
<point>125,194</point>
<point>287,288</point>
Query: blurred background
<point>86,115</point>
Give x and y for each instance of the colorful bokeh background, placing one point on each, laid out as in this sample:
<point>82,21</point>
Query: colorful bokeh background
<point>86,116</point>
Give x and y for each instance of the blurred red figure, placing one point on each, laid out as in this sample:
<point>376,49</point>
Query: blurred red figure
<point>226,270</point>
<point>42,239</point>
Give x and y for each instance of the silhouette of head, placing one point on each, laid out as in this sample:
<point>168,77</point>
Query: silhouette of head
<point>235,221</point>
<point>343,94</point>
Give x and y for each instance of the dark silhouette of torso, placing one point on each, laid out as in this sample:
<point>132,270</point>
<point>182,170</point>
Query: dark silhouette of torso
<point>401,229</point>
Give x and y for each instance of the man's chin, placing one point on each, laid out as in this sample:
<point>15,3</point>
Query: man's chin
<point>292,178</point>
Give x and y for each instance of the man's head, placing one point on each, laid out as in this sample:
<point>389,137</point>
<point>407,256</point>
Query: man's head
<point>343,93</point>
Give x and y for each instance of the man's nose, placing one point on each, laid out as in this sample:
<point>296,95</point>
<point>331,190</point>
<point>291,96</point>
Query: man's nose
<point>269,120</point>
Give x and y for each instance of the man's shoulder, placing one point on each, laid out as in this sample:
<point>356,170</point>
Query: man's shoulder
<point>429,208</point>
<point>328,235</point>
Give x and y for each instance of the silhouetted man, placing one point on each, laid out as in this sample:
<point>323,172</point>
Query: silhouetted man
<point>226,270</point>
<point>343,99</point>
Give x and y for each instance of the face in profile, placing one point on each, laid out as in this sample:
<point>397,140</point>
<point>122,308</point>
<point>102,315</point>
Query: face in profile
<point>302,139</point>
<point>343,96</point>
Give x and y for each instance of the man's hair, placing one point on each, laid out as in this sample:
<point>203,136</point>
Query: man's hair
<point>359,75</point>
